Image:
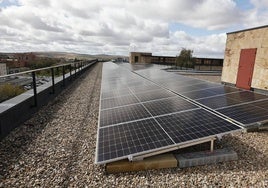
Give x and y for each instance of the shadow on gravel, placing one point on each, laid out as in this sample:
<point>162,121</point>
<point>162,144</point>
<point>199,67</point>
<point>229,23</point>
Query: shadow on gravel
<point>16,143</point>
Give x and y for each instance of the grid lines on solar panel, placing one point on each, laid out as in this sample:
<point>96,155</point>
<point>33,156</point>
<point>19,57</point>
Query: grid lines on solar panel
<point>246,113</point>
<point>118,101</point>
<point>195,124</point>
<point>169,105</point>
<point>223,90</point>
<point>130,138</point>
<point>204,85</point>
<point>183,89</point>
<point>246,96</point>
<point>152,95</point>
<point>115,93</point>
<point>218,101</point>
<point>140,89</point>
<point>198,94</point>
<point>261,104</point>
<point>122,114</point>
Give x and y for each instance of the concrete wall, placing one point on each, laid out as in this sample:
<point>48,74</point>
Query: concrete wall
<point>254,38</point>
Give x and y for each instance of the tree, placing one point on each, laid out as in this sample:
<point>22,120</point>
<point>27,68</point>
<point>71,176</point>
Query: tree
<point>185,59</point>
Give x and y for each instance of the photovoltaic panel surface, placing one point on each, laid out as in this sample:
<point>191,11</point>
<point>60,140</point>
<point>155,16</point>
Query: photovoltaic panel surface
<point>122,114</point>
<point>246,113</point>
<point>213,96</point>
<point>193,125</point>
<point>131,138</point>
<point>153,95</point>
<point>138,115</point>
<point>168,105</point>
<point>218,101</point>
<point>118,101</point>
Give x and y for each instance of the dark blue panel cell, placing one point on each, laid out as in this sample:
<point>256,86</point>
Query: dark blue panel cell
<point>195,124</point>
<point>218,101</point>
<point>153,95</point>
<point>223,90</point>
<point>130,138</point>
<point>247,113</point>
<point>246,96</point>
<point>119,101</point>
<point>199,94</point>
<point>170,105</point>
<point>122,114</point>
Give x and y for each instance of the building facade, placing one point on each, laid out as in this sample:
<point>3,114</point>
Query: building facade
<point>140,57</point>
<point>246,59</point>
<point>18,60</point>
<point>200,63</point>
<point>3,69</point>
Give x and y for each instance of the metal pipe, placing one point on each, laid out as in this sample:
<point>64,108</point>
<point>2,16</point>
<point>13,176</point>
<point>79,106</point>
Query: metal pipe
<point>34,89</point>
<point>63,75</point>
<point>53,80</point>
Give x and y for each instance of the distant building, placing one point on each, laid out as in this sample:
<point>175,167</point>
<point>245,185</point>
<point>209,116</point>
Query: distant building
<point>3,69</point>
<point>164,60</point>
<point>140,57</point>
<point>246,58</point>
<point>17,60</point>
<point>212,64</point>
<point>200,63</point>
<point>24,59</point>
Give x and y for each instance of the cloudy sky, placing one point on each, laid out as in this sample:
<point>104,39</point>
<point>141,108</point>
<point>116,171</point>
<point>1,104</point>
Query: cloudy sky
<point>120,26</point>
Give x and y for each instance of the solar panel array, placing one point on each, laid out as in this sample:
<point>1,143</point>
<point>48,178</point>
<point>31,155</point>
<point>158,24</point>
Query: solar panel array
<point>143,112</point>
<point>243,106</point>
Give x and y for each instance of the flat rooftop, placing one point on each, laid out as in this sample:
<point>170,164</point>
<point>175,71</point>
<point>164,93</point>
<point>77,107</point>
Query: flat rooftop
<point>56,147</point>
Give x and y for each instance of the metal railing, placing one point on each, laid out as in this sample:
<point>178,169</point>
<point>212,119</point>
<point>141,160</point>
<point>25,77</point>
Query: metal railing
<point>74,66</point>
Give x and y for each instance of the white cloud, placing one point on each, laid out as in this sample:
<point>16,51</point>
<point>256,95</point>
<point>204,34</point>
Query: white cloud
<point>109,26</point>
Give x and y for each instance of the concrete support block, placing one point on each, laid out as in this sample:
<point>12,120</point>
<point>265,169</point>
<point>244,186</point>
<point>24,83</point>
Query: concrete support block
<point>205,157</point>
<point>155,162</point>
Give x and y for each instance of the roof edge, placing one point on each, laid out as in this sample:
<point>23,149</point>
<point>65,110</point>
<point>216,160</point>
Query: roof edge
<point>260,27</point>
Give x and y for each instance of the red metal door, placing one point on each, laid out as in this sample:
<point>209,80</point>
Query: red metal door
<point>246,67</point>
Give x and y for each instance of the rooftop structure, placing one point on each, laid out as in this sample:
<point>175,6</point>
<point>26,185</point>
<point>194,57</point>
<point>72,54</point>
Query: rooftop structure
<point>200,63</point>
<point>246,58</point>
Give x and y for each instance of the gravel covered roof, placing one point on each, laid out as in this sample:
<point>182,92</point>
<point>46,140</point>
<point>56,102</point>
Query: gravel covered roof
<point>56,148</point>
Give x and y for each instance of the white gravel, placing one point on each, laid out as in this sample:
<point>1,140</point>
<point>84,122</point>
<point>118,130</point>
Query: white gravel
<point>56,148</point>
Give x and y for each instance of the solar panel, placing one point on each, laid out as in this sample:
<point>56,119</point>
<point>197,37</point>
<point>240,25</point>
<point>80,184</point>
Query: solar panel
<point>212,95</point>
<point>182,89</point>
<point>115,93</point>
<point>204,85</point>
<point>140,89</point>
<point>153,95</point>
<point>119,141</point>
<point>169,105</point>
<point>195,124</point>
<point>218,101</point>
<point>223,90</point>
<point>119,101</point>
<point>139,117</point>
<point>246,96</point>
<point>246,113</point>
<point>261,104</point>
<point>198,94</point>
<point>122,114</point>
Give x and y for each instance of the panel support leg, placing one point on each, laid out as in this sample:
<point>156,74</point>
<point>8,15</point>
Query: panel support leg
<point>212,145</point>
